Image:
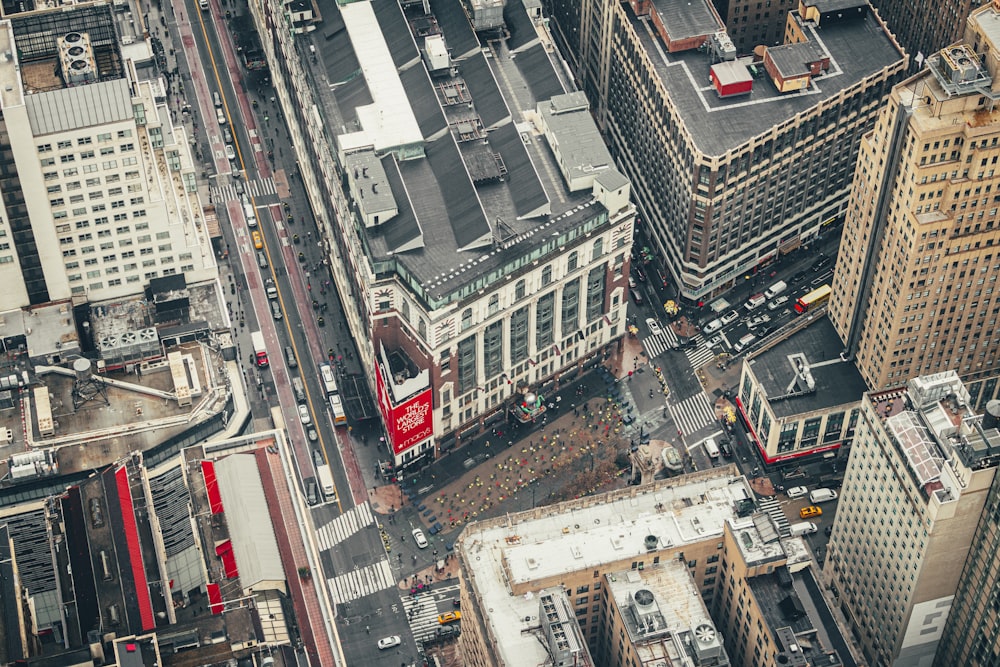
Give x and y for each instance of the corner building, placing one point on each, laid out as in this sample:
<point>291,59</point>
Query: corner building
<point>920,470</point>
<point>915,290</point>
<point>478,230</point>
<point>734,160</point>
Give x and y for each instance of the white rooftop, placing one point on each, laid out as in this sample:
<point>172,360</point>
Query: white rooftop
<point>250,528</point>
<point>584,534</point>
<point>388,122</point>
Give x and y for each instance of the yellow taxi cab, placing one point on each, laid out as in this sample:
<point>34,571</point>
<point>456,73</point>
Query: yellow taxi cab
<point>810,511</point>
<point>258,241</point>
<point>450,617</point>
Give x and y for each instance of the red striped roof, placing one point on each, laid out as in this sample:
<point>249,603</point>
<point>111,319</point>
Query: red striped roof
<point>225,551</point>
<point>212,486</point>
<point>214,598</point>
<point>134,550</point>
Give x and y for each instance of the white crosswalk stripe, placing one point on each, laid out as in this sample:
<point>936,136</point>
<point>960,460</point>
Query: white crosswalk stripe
<point>258,188</point>
<point>422,610</point>
<point>700,356</point>
<point>771,505</point>
<point>344,526</point>
<point>660,343</point>
<point>361,582</point>
<point>693,413</point>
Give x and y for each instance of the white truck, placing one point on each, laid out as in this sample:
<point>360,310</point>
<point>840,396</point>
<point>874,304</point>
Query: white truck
<point>325,478</point>
<point>803,528</point>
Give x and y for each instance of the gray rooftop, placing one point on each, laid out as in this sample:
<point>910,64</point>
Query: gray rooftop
<point>688,18</point>
<point>858,49</point>
<point>487,170</point>
<point>818,347</point>
<point>794,59</point>
<point>796,612</point>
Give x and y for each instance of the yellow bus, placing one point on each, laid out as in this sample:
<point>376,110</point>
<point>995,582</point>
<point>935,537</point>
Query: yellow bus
<point>817,297</point>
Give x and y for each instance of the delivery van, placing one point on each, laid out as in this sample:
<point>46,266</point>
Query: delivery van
<point>822,495</point>
<point>711,448</point>
<point>775,289</point>
<point>803,528</point>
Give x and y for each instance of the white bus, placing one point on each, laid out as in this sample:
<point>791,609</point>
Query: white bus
<point>325,478</point>
<point>329,382</point>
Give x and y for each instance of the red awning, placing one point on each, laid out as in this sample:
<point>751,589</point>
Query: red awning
<point>211,486</point>
<point>214,598</point>
<point>134,550</point>
<point>225,552</point>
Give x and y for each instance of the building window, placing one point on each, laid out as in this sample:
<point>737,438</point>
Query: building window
<point>544,316</point>
<point>519,336</point>
<point>573,260</point>
<point>595,293</point>
<point>519,290</point>
<point>571,307</point>
<point>493,350</point>
<point>546,275</point>
<point>494,304</point>
<point>466,318</point>
<point>598,249</point>
<point>467,364</point>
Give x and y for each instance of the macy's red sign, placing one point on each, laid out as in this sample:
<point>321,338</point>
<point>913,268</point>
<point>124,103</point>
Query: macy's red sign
<point>409,423</point>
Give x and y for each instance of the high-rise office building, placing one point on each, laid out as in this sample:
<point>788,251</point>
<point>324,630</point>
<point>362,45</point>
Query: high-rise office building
<point>734,160</point>
<point>479,232</point>
<point>920,470</point>
<point>925,26</point>
<point>972,632</point>
<point>915,290</point>
<point>99,192</point>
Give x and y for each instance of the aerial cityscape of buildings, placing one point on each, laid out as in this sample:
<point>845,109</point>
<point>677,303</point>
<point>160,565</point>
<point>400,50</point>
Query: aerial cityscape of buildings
<point>654,333</point>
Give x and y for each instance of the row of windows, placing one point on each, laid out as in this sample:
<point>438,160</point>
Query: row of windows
<point>84,141</point>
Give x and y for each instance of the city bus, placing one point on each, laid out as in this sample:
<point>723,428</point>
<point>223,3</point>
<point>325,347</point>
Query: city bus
<point>817,297</point>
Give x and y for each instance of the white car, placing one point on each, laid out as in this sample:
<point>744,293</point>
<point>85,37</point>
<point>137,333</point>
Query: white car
<point>418,537</point>
<point>757,321</point>
<point>715,340</point>
<point>730,317</point>
<point>389,642</point>
<point>230,153</point>
<point>796,492</point>
<point>631,282</point>
<point>304,415</point>
<point>654,327</point>
<point>778,303</point>
<point>712,327</point>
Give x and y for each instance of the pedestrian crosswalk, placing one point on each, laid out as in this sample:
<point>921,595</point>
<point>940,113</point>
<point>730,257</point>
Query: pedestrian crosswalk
<point>771,505</point>
<point>422,610</point>
<point>361,582</point>
<point>693,413</point>
<point>660,343</point>
<point>700,355</point>
<point>344,526</point>
<point>263,187</point>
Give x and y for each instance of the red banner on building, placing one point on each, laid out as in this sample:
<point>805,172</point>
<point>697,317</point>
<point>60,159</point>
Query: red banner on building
<point>408,424</point>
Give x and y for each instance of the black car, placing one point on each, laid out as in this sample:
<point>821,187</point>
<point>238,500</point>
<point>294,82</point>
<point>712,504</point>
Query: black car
<point>639,274</point>
<point>726,449</point>
<point>686,344</point>
<point>798,277</point>
<point>821,264</point>
<point>765,331</point>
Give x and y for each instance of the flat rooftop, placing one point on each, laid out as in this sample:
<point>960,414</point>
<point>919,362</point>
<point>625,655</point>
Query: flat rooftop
<point>661,607</point>
<point>796,612</point>
<point>468,175</point>
<point>586,534</point>
<point>858,48</point>
<point>816,350</point>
